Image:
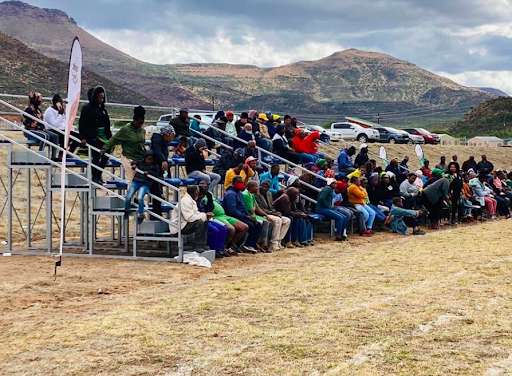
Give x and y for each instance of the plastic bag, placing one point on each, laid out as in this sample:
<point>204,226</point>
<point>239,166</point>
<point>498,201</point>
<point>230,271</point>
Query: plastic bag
<point>196,259</point>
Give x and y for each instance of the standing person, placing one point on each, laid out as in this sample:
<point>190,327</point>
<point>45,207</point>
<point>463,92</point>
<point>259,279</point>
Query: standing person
<point>281,148</point>
<point>484,165</point>
<point>181,123</point>
<point>55,116</point>
<point>324,206</point>
<point>362,157</point>
<point>404,218</point>
<point>357,196</point>
<point>192,220</point>
<point>433,199</point>
<point>281,223</point>
<point>132,138</point>
<point>196,166</point>
<point>94,128</point>
<point>345,164</point>
<point>234,206</point>
<point>141,182</point>
<point>456,185</point>
<point>442,165</point>
<point>469,164</point>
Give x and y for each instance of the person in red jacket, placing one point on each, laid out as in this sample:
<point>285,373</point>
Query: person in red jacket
<point>306,145</point>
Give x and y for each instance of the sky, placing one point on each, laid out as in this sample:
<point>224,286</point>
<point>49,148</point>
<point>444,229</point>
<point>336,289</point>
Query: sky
<point>469,41</point>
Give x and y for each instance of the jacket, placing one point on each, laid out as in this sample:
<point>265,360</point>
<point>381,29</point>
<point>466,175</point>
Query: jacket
<point>324,200</point>
<point>265,202</point>
<point>233,204</point>
<point>160,148</point>
<point>132,140</point>
<point>437,191</point>
<point>226,162</point>
<point>357,195</point>
<point>194,160</point>
<point>244,136</point>
<point>94,117</point>
<point>375,194</point>
<point>35,112</point>
<point>274,181</point>
<point>153,170</point>
<point>408,190</point>
<point>485,167</point>
<point>52,117</point>
<point>284,206</point>
<point>306,145</point>
<point>467,165</point>
<point>230,174</point>
<point>344,160</point>
<point>390,190</point>
<point>181,127</point>
<point>361,159</point>
<point>397,224</point>
<point>189,213</point>
<point>280,144</point>
<point>271,128</point>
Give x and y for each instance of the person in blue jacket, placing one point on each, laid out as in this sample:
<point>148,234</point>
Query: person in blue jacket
<point>273,177</point>
<point>234,206</point>
<point>345,163</point>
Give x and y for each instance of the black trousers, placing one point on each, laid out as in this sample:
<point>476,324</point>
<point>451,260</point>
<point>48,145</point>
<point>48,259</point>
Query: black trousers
<point>98,159</point>
<point>200,230</point>
<point>456,208</point>
<point>435,210</point>
<point>73,145</point>
<point>156,190</point>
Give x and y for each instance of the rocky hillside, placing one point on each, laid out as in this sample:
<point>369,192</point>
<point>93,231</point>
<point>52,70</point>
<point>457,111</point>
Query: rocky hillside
<point>491,118</point>
<point>348,82</point>
<point>23,69</point>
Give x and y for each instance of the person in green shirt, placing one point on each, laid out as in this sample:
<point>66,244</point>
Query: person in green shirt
<point>132,138</point>
<point>257,213</point>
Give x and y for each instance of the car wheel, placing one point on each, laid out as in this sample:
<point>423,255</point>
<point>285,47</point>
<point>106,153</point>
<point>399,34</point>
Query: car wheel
<point>362,138</point>
<point>409,141</point>
<point>392,140</point>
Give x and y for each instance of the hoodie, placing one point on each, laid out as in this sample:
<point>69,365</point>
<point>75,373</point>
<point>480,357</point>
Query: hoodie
<point>94,123</point>
<point>306,145</point>
<point>152,169</point>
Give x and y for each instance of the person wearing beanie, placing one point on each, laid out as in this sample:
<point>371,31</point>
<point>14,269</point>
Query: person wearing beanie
<point>324,206</point>
<point>94,129</point>
<point>132,138</point>
<point>196,166</point>
<point>240,123</point>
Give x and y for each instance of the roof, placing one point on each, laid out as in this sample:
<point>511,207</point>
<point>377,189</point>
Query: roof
<point>362,122</point>
<point>488,139</point>
<point>444,135</point>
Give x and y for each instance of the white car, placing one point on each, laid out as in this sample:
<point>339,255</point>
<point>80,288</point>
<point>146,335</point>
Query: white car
<point>349,132</point>
<point>206,117</point>
<point>413,139</point>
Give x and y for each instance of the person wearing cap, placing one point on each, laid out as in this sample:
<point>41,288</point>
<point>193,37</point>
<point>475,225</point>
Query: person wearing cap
<point>181,123</point>
<point>402,219</point>
<point>281,224</point>
<point>196,166</point>
<point>261,121</point>
<point>242,170</point>
<point>410,191</point>
<point>362,157</point>
<point>252,162</point>
<point>357,196</point>
<point>230,125</point>
<point>273,177</point>
<point>427,172</point>
<point>281,148</point>
<point>132,139</point>
<point>324,206</point>
<point>345,164</point>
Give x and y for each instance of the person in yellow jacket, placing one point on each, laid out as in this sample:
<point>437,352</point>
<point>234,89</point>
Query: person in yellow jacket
<point>357,173</point>
<point>242,170</point>
<point>357,196</point>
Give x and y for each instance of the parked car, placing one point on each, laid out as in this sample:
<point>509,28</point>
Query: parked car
<point>324,137</point>
<point>413,138</point>
<point>392,135</point>
<point>348,131</point>
<point>427,136</point>
<point>206,117</point>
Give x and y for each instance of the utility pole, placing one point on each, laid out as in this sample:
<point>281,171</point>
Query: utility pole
<point>213,102</point>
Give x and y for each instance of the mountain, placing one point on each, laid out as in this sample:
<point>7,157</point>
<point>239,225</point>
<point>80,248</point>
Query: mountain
<point>23,70</point>
<point>350,82</point>
<point>491,90</point>
<point>491,118</point>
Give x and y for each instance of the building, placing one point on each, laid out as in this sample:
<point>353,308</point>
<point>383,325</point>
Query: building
<point>446,139</point>
<point>486,141</point>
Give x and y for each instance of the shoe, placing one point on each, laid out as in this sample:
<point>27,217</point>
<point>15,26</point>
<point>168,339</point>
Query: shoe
<point>418,232</point>
<point>140,219</point>
<point>304,244</point>
<point>126,215</point>
<point>366,234</point>
<point>236,249</point>
<point>250,250</point>
<point>98,181</point>
<point>494,218</point>
<point>338,239</point>
<point>219,254</point>
<point>289,245</point>
<point>231,252</point>
<point>225,254</point>
<point>371,232</point>
<point>344,238</point>
<point>312,243</point>
<point>297,245</point>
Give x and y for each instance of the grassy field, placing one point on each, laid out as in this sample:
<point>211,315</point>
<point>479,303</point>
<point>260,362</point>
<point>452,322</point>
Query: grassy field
<point>433,305</point>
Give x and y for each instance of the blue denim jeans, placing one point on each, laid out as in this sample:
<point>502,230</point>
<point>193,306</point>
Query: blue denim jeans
<point>340,219</point>
<point>379,215</point>
<point>369,215</point>
<point>135,187</point>
<point>301,231</point>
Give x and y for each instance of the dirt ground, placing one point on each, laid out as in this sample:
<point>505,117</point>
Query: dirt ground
<point>433,305</point>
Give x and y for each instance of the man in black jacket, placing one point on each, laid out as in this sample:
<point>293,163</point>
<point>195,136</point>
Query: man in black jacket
<point>362,157</point>
<point>94,128</point>
<point>196,166</point>
<point>228,160</point>
<point>181,123</point>
<point>281,148</point>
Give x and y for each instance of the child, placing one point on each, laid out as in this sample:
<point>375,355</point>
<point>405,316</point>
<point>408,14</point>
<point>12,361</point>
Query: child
<point>404,218</point>
<point>181,148</point>
<point>141,183</point>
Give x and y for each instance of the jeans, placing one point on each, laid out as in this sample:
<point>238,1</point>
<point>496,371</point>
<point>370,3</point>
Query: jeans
<point>211,178</point>
<point>369,215</point>
<point>301,230</point>
<point>217,235</point>
<point>264,143</point>
<point>379,215</point>
<point>48,136</point>
<point>340,219</point>
<point>135,187</point>
<point>253,234</point>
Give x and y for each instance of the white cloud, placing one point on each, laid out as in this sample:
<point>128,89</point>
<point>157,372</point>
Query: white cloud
<point>501,80</point>
<point>161,47</point>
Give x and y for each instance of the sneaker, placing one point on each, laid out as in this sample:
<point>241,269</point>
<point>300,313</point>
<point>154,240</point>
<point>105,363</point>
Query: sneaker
<point>250,249</point>
<point>366,234</point>
<point>311,243</point>
<point>297,244</point>
<point>344,238</point>
<point>126,215</point>
<point>494,218</point>
<point>418,232</point>
<point>289,245</point>
<point>219,254</point>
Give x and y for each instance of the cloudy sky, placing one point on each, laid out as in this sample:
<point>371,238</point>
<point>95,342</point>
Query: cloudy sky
<point>469,41</point>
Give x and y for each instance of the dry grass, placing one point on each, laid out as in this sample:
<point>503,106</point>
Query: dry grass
<point>435,305</point>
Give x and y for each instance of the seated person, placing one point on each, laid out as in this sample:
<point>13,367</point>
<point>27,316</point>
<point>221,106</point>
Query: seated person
<point>324,206</point>
<point>305,145</point>
<point>245,134</point>
<point>242,170</point>
<point>357,196</point>
<point>159,146</point>
<point>196,166</point>
<point>345,163</point>
<point>427,172</point>
<point>410,191</point>
<point>251,205</point>
<point>228,160</point>
<point>233,204</point>
<point>404,218</point>
<point>180,149</point>
<point>192,220</point>
<point>273,177</point>
<point>281,148</point>
<point>379,214</point>
<point>281,223</point>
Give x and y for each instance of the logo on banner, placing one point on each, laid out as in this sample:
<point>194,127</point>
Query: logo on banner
<point>75,73</point>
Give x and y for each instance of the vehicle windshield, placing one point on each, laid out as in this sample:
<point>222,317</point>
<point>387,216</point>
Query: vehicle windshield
<point>422,130</point>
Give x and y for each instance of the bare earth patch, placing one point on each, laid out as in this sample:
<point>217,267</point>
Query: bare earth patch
<point>433,305</point>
